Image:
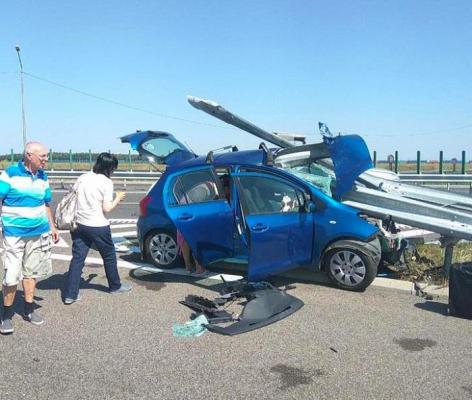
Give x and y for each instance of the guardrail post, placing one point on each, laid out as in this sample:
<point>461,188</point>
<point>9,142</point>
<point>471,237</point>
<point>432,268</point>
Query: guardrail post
<point>418,162</point>
<point>441,160</point>
<point>12,157</point>
<point>448,253</point>
<point>463,163</point>
<point>396,161</point>
<point>70,159</point>
<point>90,159</point>
<point>51,161</point>
<point>130,168</point>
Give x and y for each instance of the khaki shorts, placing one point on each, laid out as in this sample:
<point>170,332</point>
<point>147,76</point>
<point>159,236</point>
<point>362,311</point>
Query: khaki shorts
<point>26,257</point>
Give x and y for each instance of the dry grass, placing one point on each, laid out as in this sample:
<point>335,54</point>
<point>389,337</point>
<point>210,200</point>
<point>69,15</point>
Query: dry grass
<point>426,263</point>
<point>431,167</point>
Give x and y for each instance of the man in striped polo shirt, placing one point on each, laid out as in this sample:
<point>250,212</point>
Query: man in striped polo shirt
<point>27,231</point>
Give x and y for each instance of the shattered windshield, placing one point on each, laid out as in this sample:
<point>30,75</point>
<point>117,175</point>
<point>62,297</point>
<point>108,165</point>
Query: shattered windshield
<point>319,175</point>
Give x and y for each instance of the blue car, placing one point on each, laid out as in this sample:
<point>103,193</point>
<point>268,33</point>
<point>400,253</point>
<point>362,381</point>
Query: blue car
<point>236,204</point>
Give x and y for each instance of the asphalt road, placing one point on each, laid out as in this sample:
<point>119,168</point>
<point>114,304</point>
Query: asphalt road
<point>127,209</point>
<point>380,344</point>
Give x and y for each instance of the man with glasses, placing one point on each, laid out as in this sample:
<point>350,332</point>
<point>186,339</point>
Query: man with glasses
<point>28,228</point>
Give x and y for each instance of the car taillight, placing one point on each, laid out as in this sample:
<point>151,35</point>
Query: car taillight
<point>143,205</point>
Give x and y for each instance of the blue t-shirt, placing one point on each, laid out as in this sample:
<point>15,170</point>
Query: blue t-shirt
<point>24,196</point>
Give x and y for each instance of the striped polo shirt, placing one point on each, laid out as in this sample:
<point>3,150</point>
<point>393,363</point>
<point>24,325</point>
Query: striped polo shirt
<point>24,196</point>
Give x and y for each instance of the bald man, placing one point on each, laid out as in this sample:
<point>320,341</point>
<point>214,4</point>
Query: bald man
<point>28,229</point>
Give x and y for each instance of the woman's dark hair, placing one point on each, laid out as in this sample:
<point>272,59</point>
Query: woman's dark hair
<point>106,163</point>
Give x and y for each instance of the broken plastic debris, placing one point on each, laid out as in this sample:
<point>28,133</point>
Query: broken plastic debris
<point>193,328</point>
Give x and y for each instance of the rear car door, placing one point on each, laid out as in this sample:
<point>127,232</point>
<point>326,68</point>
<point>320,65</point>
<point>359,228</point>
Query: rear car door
<point>196,203</point>
<point>278,225</point>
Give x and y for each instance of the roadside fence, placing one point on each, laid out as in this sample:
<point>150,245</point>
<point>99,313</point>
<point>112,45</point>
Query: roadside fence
<point>82,161</point>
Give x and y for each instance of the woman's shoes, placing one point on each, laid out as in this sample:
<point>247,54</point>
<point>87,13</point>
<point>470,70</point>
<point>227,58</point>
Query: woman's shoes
<point>122,289</point>
<point>68,300</point>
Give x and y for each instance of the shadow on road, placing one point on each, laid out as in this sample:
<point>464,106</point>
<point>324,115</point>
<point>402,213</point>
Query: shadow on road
<point>433,306</point>
<point>57,282</point>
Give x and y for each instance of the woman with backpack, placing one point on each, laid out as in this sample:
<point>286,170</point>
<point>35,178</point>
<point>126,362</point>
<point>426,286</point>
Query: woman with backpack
<point>94,198</point>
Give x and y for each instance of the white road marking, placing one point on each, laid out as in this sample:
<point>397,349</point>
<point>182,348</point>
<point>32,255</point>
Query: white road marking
<point>120,226</point>
<point>123,220</point>
<point>146,267</point>
<point>127,248</point>
<point>127,191</point>
<point>131,234</point>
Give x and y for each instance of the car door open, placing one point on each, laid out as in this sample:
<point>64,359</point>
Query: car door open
<point>279,225</point>
<point>197,206</point>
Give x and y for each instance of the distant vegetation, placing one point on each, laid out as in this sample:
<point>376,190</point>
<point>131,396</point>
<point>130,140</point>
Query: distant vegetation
<point>82,161</point>
<point>79,157</point>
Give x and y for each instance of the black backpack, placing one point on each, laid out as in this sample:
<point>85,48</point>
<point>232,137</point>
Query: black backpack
<point>460,290</point>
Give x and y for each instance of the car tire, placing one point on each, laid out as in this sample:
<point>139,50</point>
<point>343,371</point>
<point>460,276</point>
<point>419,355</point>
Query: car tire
<point>352,265</point>
<point>160,247</point>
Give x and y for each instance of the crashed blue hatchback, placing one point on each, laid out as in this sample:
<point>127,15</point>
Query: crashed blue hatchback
<point>237,204</point>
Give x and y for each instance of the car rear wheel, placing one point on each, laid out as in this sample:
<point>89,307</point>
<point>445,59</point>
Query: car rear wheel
<point>161,249</point>
<point>350,268</point>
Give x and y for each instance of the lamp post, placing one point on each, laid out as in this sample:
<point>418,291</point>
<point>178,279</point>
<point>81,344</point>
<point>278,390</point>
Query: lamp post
<point>17,48</point>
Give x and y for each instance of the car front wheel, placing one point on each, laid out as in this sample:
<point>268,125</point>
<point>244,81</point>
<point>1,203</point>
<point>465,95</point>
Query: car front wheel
<point>350,266</point>
<point>161,249</point>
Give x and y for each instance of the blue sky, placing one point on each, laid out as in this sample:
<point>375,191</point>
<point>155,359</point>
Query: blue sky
<point>399,73</point>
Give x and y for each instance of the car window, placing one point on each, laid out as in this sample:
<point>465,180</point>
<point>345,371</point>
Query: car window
<point>162,146</point>
<point>194,187</point>
<point>264,195</point>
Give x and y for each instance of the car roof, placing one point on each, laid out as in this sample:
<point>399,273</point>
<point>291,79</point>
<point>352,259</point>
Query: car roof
<point>247,157</point>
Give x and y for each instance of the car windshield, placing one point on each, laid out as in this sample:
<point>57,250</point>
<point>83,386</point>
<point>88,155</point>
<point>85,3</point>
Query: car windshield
<point>317,174</point>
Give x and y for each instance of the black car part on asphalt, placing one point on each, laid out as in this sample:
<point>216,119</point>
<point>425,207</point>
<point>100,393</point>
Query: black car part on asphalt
<point>264,305</point>
<point>460,290</point>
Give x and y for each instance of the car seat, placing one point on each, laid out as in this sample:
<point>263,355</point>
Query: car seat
<point>256,196</point>
<point>252,207</point>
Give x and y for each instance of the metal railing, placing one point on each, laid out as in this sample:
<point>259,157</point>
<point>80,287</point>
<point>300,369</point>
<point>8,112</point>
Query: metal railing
<point>436,180</point>
<point>64,179</point>
<point>394,164</point>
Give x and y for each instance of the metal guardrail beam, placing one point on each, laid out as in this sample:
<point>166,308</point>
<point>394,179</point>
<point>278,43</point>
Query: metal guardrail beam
<point>116,174</point>
<point>443,178</point>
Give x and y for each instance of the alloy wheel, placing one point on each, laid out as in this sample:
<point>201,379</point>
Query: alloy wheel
<point>347,267</point>
<point>163,249</point>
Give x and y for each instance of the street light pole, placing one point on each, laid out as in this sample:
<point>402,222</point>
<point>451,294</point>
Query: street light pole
<point>17,48</point>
